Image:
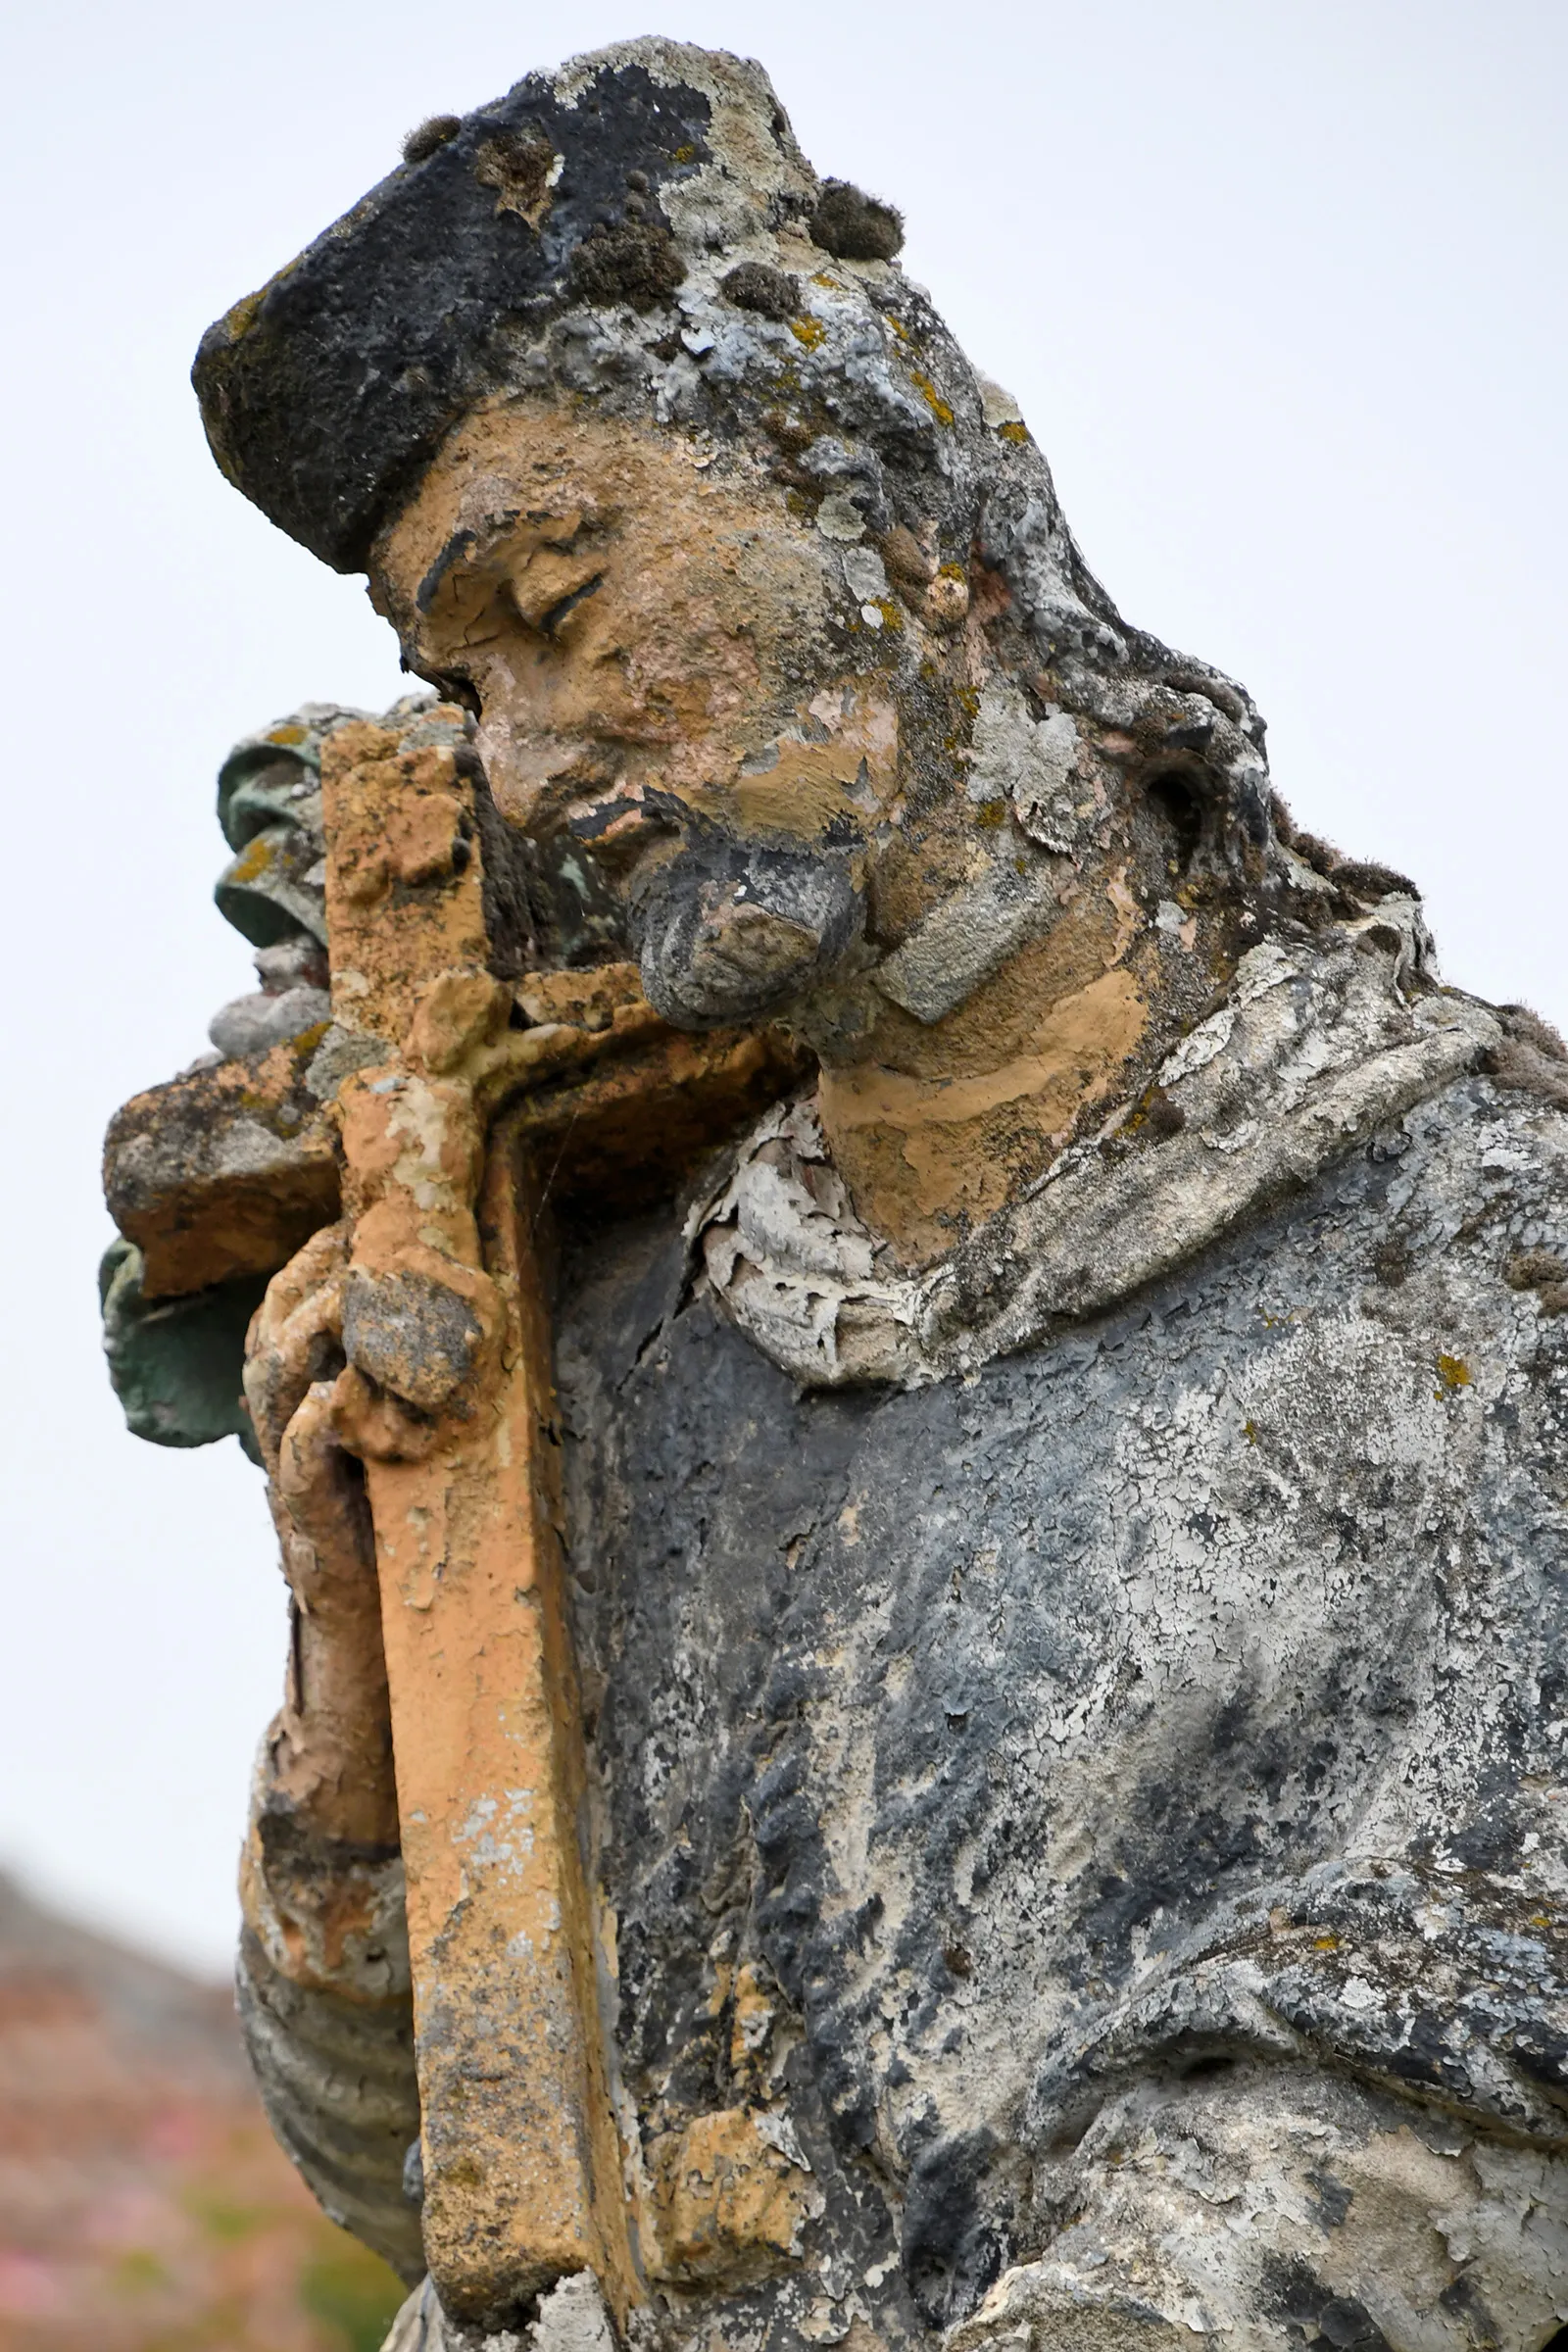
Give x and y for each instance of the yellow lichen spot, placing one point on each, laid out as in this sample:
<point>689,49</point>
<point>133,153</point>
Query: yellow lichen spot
<point>991,814</point>
<point>242,316</point>
<point>820,278</point>
<point>932,398</point>
<point>901,332</point>
<point>683,155</point>
<point>1325,1944</point>
<point>892,613</point>
<point>255,859</point>
<point>1249,1432</point>
<point>1014,430</point>
<point>285,735</point>
<point>810,331</point>
<point>1453,1374</point>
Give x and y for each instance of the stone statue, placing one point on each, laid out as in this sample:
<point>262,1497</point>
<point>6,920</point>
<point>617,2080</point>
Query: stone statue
<point>913,1361</point>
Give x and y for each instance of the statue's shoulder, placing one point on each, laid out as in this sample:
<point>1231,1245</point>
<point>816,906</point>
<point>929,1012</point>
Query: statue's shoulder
<point>1321,1078</point>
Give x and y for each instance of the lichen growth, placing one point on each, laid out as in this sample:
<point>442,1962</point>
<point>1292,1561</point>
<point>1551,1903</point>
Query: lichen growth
<point>933,399</point>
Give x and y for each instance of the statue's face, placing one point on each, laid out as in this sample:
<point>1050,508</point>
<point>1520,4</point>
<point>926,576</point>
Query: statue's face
<point>665,660</point>
<point>674,673</point>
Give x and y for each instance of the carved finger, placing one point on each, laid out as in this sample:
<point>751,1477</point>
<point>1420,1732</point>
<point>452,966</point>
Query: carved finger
<point>322,1490</point>
<point>324,1254</point>
<point>330,1752</point>
<point>294,1340</point>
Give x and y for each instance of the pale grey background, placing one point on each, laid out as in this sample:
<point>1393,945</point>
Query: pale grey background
<point>1280,289</point>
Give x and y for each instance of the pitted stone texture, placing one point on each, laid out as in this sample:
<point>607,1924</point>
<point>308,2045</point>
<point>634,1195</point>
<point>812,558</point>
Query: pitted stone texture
<point>221,1174</point>
<point>1272,2210</point>
<point>1184,1689</point>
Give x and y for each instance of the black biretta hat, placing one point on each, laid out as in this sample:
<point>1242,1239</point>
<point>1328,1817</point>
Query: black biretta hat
<point>325,393</point>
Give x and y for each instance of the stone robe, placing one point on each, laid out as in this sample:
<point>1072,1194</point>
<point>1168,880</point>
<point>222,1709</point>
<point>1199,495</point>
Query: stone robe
<point>1180,1700</point>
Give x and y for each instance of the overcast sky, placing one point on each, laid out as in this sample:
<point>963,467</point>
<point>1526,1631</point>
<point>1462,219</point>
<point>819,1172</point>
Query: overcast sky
<point>1279,287</point>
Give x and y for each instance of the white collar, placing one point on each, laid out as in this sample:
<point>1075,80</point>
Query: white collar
<point>1316,1045</point>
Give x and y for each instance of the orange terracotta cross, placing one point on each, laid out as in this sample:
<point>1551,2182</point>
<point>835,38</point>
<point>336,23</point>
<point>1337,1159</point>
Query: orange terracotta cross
<point>448,1400</point>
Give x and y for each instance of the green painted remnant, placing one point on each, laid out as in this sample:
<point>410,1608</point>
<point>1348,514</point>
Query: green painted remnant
<point>176,1364</point>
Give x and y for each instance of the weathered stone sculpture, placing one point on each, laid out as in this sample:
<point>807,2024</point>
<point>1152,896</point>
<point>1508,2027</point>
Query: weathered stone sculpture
<point>914,1409</point>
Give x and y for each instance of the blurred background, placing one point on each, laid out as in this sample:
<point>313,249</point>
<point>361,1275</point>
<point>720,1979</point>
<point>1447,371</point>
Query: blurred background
<point>1279,288</point>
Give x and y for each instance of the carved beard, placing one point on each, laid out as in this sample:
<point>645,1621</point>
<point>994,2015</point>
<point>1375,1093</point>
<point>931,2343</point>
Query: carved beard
<point>729,931</point>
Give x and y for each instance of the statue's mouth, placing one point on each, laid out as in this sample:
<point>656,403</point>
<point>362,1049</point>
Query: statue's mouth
<point>619,828</point>
<point>727,929</point>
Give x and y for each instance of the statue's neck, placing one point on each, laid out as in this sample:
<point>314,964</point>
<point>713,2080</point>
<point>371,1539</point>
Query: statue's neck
<point>935,1125</point>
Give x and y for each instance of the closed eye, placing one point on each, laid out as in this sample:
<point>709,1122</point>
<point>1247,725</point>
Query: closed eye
<point>549,623</point>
